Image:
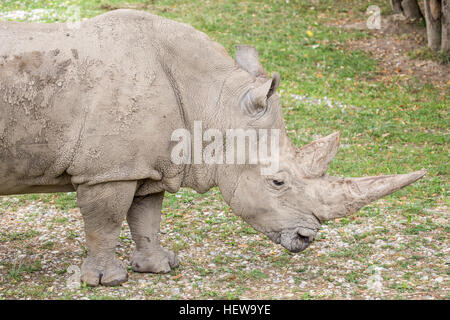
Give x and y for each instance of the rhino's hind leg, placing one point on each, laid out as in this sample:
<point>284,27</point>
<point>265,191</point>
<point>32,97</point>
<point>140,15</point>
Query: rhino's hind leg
<point>144,219</point>
<point>104,207</point>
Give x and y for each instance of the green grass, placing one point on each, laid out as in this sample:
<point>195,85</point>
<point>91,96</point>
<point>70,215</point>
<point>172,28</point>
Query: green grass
<point>17,270</point>
<point>427,53</point>
<point>387,127</point>
<point>17,236</point>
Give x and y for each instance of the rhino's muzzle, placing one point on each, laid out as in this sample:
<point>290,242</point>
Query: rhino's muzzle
<point>295,239</point>
<point>298,239</point>
<point>297,243</point>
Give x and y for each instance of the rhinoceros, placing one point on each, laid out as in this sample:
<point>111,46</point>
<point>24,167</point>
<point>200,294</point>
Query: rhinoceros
<point>92,109</point>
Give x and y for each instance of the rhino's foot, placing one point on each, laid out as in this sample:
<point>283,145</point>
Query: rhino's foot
<point>155,261</point>
<point>109,273</point>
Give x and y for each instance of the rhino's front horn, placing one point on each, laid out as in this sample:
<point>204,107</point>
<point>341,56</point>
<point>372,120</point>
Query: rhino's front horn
<point>339,197</point>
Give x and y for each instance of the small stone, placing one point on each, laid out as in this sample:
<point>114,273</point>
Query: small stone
<point>175,291</point>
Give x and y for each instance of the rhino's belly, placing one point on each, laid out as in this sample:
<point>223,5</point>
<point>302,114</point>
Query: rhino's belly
<point>61,184</point>
<point>32,168</point>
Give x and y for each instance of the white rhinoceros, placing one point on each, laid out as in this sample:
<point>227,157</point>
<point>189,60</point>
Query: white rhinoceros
<point>92,110</point>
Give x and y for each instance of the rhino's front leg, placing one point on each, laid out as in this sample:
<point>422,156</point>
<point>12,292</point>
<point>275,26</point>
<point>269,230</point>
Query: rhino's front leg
<point>104,207</point>
<point>144,219</point>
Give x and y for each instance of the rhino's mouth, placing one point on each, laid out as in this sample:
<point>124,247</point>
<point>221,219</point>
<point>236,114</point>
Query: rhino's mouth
<point>294,239</point>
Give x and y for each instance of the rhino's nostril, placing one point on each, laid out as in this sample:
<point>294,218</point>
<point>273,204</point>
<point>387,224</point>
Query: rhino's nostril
<point>306,240</point>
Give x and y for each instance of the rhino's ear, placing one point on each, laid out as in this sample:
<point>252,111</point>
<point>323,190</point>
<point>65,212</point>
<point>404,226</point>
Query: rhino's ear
<point>255,101</point>
<point>247,59</point>
<point>274,85</point>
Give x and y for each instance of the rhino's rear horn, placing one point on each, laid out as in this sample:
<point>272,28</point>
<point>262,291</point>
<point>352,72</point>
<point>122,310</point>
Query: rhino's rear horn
<point>314,158</point>
<point>247,59</point>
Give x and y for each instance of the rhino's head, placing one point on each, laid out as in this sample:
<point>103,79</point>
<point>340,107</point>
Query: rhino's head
<point>289,205</point>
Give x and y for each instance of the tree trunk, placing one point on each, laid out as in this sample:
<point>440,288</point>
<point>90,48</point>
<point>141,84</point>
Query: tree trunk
<point>411,9</point>
<point>396,6</point>
<point>433,20</point>
<point>445,24</point>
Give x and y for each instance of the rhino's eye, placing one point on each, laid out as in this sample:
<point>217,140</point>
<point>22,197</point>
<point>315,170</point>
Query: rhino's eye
<point>277,182</point>
<point>259,107</point>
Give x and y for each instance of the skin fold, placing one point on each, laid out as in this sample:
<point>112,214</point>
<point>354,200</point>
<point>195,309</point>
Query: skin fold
<point>92,110</point>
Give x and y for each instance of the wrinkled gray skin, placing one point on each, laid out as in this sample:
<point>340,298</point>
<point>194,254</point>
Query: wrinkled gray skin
<point>93,109</point>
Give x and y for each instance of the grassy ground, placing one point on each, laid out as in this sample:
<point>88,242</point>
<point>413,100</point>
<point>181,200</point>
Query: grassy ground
<point>395,248</point>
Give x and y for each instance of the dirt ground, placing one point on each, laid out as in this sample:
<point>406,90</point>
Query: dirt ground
<point>393,45</point>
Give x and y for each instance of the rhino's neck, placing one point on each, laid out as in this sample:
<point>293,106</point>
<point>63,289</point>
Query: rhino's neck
<point>199,113</point>
<point>217,115</point>
<point>198,70</point>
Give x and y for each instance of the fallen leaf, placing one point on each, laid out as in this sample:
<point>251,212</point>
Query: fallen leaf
<point>178,276</point>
